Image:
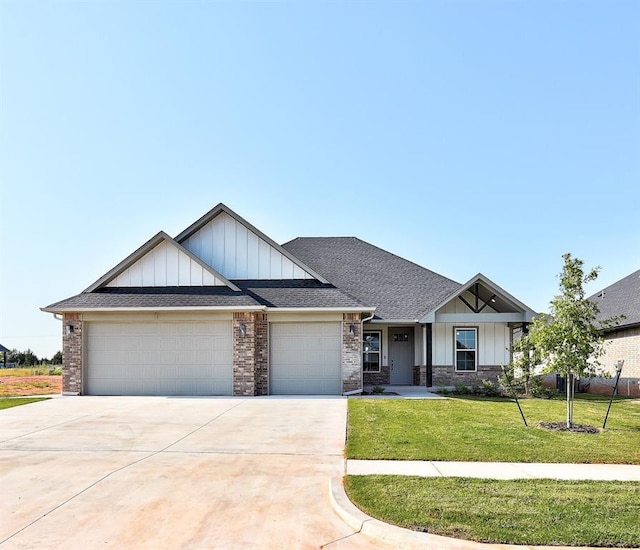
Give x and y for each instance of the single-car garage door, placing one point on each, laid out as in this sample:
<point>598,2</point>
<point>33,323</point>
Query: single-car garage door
<point>305,358</point>
<point>159,358</point>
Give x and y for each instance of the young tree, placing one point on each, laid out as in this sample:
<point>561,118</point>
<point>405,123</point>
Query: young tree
<point>568,339</point>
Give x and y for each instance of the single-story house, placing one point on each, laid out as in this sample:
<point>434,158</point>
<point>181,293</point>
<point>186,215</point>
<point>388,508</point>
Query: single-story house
<point>222,309</point>
<point>622,341</point>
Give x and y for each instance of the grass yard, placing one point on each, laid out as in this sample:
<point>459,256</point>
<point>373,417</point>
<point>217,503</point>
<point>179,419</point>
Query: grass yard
<point>491,430</point>
<point>30,381</point>
<point>7,403</point>
<point>541,512</point>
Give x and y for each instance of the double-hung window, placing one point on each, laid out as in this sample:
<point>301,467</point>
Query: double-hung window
<point>371,350</point>
<point>466,348</point>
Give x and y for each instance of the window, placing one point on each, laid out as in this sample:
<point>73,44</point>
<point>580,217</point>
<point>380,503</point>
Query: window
<point>466,348</point>
<point>371,351</point>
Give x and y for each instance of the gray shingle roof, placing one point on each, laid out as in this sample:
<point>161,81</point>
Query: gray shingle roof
<point>621,298</point>
<point>155,297</point>
<point>298,293</point>
<point>284,294</point>
<point>398,288</point>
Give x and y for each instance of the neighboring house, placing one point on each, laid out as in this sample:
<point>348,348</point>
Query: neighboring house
<point>622,342</point>
<point>224,310</point>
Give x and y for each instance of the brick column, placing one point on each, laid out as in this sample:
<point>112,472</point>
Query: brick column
<point>262,354</point>
<point>351,352</point>
<point>72,353</point>
<point>250,354</point>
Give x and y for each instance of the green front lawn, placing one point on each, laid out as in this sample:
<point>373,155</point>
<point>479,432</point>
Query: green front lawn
<point>6,403</point>
<point>475,429</point>
<point>541,512</point>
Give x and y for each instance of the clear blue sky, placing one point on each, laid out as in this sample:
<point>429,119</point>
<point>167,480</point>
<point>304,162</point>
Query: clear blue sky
<point>467,136</point>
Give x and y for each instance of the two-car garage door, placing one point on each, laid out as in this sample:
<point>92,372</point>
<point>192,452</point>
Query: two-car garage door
<point>196,358</point>
<point>159,358</point>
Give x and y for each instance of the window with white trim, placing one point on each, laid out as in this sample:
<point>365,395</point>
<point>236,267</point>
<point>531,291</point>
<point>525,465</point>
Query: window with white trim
<point>371,350</point>
<point>466,348</point>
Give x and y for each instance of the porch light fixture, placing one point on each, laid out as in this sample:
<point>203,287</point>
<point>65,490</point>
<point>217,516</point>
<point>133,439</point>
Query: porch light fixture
<point>352,329</point>
<point>68,329</point>
<point>243,329</point>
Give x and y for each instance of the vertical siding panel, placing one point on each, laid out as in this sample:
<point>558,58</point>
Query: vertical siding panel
<point>287,268</point>
<point>184,269</point>
<point>298,273</point>
<point>205,252</point>
<point>276,265</point>
<point>196,273</point>
<point>147,264</point>
<point>135,272</point>
<point>230,270</point>
<point>172,266</point>
<point>208,279</point>
<point>242,248</point>
<point>264,260</point>
<point>253,256</point>
<point>160,264</point>
<point>217,226</point>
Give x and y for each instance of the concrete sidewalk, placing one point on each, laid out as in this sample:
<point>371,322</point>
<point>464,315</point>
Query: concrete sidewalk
<point>495,470</point>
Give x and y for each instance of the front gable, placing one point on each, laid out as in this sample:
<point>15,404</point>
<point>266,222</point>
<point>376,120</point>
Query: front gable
<point>161,262</point>
<point>239,251</point>
<point>479,300</point>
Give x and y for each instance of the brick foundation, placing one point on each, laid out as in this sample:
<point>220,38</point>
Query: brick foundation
<point>382,378</point>
<point>72,353</point>
<point>351,352</point>
<point>445,375</point>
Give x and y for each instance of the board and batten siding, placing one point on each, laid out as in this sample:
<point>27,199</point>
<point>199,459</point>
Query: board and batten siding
<point>238,253</point>
<point>165,265</point>
<point>493,343</point>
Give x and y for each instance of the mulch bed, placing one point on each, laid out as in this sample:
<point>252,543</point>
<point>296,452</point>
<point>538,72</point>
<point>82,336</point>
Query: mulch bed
<point>562,427</point>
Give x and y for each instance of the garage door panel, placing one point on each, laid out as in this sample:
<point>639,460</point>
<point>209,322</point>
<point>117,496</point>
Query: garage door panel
<point>159,358</point>
<point>305,358</point>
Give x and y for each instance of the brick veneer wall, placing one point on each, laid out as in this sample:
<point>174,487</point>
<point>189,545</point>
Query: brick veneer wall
<point>445,375</point>
<point>72,354</point>
<point>351,352</point>
<point>623,344</point>
<point>250,354</point>
<point>378,378</point>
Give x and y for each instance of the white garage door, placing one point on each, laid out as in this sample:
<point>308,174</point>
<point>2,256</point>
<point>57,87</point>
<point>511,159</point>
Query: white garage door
<point>159,358</point>
<point>305,358</point>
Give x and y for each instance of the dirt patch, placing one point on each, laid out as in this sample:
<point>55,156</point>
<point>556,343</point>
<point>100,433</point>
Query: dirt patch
<point>11,386</point>
<point>562,427</point>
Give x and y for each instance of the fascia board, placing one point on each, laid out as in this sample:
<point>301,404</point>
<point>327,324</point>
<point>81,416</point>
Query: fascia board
<point>145,249</point>
<point>148,309</point>
<point>214,212</point>
<point>321,309</point>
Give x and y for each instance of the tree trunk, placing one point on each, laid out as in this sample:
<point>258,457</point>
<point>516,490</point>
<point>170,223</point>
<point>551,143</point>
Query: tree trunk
<point>570,395</point>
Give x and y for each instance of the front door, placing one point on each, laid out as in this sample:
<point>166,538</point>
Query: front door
<point>401,354</point>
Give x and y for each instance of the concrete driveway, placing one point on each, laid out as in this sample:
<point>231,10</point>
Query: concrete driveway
<point>151,472</point>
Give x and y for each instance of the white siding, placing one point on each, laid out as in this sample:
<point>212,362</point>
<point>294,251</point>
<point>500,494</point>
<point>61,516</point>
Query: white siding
<point>493,343</point>
<point>237,253</point>
<point>165,265</point>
